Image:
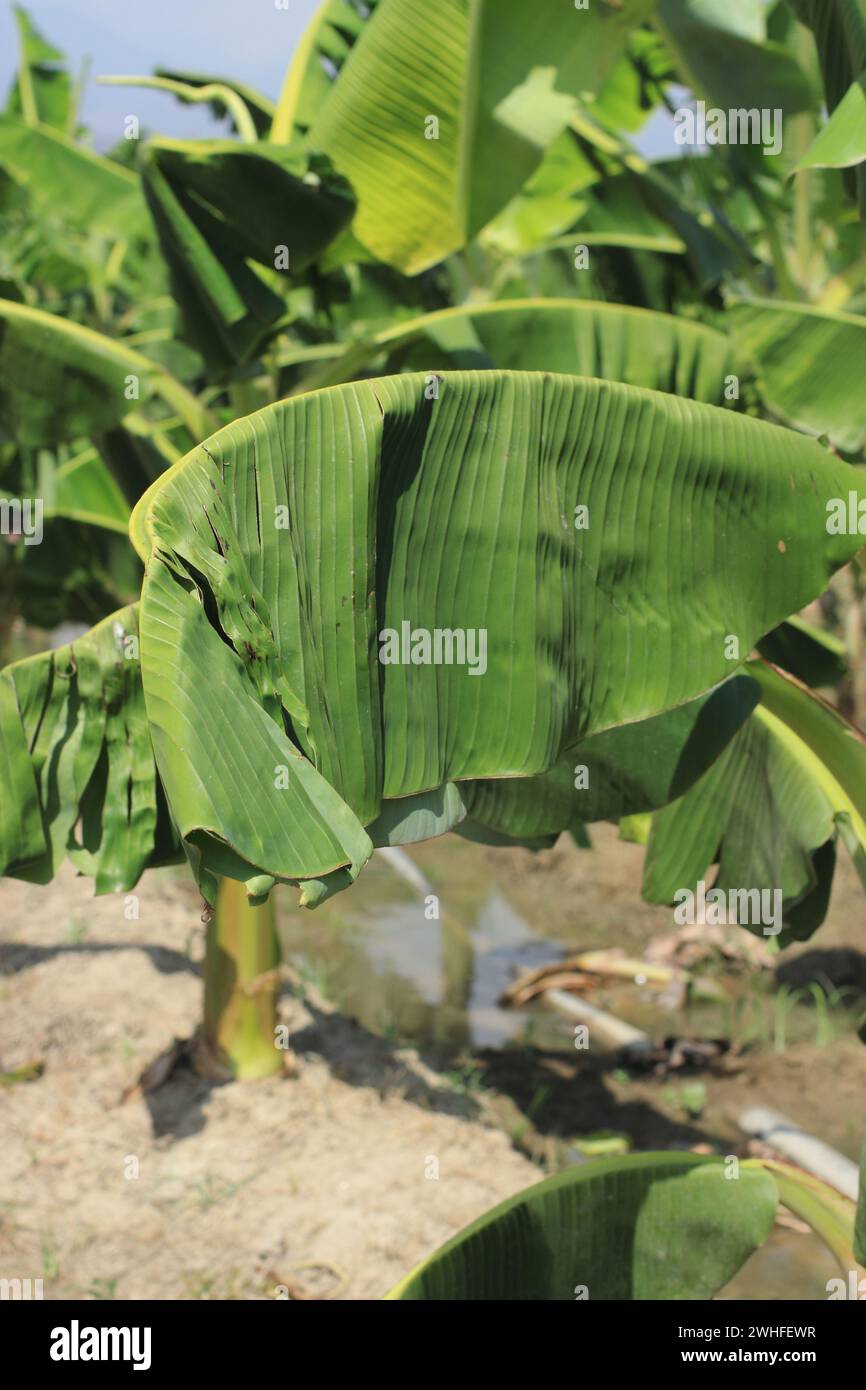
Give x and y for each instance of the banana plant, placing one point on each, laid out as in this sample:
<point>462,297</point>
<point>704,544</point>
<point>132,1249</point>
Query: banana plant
<point>621,542</point>
<point>253,709</point>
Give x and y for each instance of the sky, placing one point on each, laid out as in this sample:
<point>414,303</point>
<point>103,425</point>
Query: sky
<point>250,40</point>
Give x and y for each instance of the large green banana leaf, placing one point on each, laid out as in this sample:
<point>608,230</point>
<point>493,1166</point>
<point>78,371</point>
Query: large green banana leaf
<point>652,1226</point>
<point>217,206</point>
<point>280,551</point>
<point>632,769</point>
<point>60,381</point>
<point>810,365</point>
<point>769,810</point>
<point>578,337</point>
<point>498,76</point>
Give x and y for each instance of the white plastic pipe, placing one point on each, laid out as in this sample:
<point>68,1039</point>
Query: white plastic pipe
<point>803,1149</point>
<point>405,867</point>
<point>611,1032</point>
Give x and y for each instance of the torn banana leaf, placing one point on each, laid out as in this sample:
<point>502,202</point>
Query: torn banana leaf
<point>219,205</point>
<point>291,557</point>
<point>76,765</point>
<point>768,812</point>
<point>21,836</point>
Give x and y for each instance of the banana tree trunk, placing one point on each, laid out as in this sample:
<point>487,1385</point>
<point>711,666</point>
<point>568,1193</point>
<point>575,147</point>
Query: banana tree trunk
<point>241,981</point>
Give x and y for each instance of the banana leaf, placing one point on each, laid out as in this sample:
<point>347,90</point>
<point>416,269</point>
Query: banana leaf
<point>769,811</point>
<point>437,117</point>
<point>219,205</point>
<point>635,1227</point>
<point>280,552</point>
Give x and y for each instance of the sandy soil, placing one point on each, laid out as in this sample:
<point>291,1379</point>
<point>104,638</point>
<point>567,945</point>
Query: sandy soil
<point>317,1185</point>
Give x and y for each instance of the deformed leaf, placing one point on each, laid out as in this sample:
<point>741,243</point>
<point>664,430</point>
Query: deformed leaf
<point>285,581</point>
<point>79,714</point>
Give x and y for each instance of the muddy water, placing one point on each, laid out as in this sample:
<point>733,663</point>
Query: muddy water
<point>379,952</point>
<point>428,980</point>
